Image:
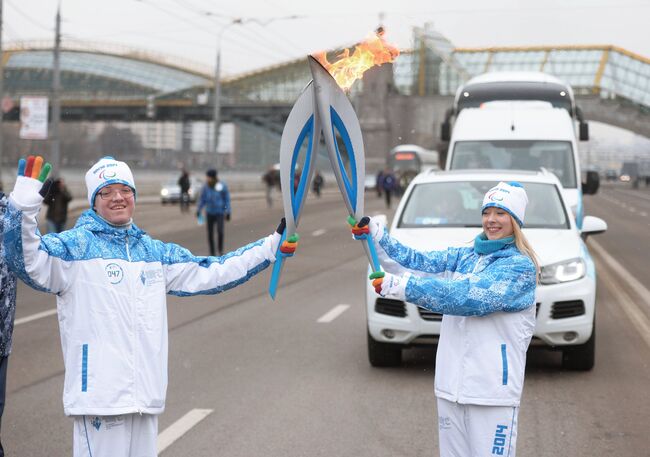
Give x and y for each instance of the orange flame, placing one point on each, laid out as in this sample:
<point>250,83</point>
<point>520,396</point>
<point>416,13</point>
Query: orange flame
<point>348,68</point>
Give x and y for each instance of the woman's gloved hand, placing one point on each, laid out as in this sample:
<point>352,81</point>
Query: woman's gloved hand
<point>390,285</point>
<point>29,188</point>
<point>366,226</point>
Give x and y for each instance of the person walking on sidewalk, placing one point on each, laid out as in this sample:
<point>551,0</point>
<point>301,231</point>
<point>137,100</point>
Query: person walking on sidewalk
<point>57,200</point>
<point>111,281</point>
<point>317,183</point>
<point>184,185</point>
<point>216,201</point>
<point>486,294</point>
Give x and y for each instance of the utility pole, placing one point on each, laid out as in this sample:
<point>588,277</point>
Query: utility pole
<point>56,93</point>
<point>2,90</point>
<point>216,114</point>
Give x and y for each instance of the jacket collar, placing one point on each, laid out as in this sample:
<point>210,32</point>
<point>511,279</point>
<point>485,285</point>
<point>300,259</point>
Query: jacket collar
<point>91,221</point>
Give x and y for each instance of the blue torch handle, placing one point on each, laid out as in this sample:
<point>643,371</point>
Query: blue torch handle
<point>277,268</point>
<point>374,260</point>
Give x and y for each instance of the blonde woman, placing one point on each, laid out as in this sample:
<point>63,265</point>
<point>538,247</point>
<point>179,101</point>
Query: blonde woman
<point>486,294</point>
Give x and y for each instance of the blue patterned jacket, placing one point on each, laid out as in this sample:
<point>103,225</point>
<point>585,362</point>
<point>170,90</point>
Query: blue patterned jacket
<point>7,291</point>
<point>487,302</point>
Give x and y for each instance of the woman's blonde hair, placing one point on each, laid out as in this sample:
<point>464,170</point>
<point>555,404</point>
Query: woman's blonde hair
<point>523,244</point>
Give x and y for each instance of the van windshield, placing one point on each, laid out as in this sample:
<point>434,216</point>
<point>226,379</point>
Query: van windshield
<point>554,156</point>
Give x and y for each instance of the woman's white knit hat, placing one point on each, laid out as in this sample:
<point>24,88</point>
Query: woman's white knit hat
<point>107,171</point>
<point>510,196</point>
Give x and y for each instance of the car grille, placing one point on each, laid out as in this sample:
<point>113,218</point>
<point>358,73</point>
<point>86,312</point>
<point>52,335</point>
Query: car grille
<point>564,309</point>
<point>390,307</point>
<point>429,315</point>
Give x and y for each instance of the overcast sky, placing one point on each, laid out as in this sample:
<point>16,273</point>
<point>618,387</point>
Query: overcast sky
<point>189,28</point>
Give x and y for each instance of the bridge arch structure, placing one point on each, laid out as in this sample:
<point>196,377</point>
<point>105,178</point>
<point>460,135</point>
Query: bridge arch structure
<point>399,103</point>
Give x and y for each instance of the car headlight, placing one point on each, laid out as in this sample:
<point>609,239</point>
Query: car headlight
<point>569,270</point>
<point>164,192</point>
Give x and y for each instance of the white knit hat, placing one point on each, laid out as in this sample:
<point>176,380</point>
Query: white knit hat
<point>107,171</point>
<point>509,196</point>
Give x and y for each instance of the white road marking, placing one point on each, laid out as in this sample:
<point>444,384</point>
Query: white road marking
<point>643,213</point>
<point>181,427</point>
<point>333,314</point>
<point>318,232</point>
<point>632,209</point>
<point>618,287</point>
<point>33,317</point>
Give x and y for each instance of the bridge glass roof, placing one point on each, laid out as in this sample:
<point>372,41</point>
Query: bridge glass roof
<point>605,70</point>
<point>148,75</point>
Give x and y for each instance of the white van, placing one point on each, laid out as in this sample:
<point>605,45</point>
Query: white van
<point>520,120</point>
<point>521,135</point>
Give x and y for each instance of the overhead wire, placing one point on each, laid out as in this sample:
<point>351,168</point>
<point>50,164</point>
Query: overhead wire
<point>254,50</point>
<point>28,17</point>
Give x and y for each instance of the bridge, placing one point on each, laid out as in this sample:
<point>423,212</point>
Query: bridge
<point>399,103</point>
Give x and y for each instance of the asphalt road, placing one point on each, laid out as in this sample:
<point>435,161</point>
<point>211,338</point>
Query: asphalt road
<point>291,377</point>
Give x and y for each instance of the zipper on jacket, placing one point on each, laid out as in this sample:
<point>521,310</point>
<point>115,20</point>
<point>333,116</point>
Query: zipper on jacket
<point>135,334</point>
<point>128,252</point>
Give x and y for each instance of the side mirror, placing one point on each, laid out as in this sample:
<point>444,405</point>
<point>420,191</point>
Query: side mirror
<point>445,131</point>
<point>592,226</point>
<point>584,131</point>
<point>592,184</point>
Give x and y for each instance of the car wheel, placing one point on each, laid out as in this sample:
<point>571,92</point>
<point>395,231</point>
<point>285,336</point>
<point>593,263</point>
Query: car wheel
<point>383,354</point>
<point>581,357</point>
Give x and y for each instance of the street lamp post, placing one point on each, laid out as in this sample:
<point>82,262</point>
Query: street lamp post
<point>216,116</point>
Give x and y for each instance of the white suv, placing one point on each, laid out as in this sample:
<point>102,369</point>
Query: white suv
<point>442,209</point>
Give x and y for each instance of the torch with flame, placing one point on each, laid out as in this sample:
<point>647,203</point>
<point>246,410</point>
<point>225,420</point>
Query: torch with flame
<point>374,50</point>
<point>323,108</point>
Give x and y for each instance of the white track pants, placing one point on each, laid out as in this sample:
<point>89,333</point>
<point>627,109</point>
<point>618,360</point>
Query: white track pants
<point>475,430</point>
<point>129,435</point>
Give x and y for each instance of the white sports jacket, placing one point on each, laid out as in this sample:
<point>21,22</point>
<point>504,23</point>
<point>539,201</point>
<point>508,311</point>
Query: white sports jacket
<point>110,285</point>
<point>487,302</point>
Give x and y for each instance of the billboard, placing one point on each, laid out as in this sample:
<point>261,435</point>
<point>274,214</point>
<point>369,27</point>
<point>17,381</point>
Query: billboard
<point>33,118</point>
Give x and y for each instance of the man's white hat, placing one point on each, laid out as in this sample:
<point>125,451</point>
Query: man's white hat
<point>510,196</point>
<point>107,171</point>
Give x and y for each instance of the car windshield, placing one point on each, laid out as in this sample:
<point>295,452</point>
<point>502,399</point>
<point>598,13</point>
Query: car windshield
<point>555,156</point>
<point>458,204</point>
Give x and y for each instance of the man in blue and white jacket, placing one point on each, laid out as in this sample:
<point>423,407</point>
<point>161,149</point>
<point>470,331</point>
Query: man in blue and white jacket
<point>111,281</point>
<point>486,294</point>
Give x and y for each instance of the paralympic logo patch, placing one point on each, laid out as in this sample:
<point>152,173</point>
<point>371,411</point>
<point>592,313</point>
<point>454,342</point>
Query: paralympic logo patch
<point>114,273</point>
<point>494,197</point>
<point>497,194</point>
<point>107,174</point>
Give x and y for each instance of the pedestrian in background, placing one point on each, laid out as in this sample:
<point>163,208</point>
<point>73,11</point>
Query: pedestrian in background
<point>317,183</point>
<point>57,200</point>
<point>388,185</point>
<point>379,182</point>
<point>184,185</point>
<point>111,281</point>
<point>269,179</point>
<point>216,201</point>
<point>486,295</point>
